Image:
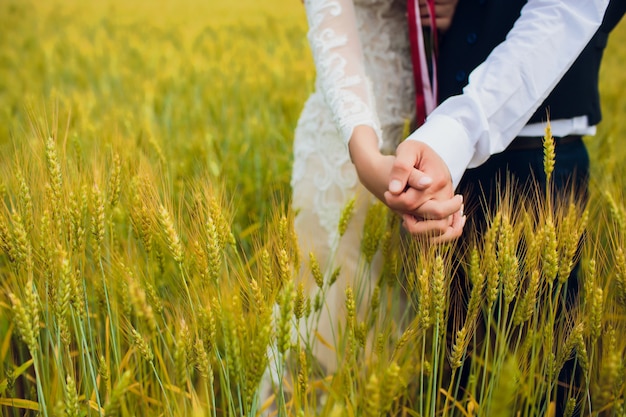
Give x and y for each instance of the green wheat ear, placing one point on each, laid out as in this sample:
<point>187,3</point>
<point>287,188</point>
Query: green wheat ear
<point>346,216</point>
<point>548,152</point>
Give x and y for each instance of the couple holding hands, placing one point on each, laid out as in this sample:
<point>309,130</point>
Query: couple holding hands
<point>496,69</point>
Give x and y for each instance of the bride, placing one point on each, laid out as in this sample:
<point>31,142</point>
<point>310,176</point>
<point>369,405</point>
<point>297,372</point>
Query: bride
<point>364,97</point>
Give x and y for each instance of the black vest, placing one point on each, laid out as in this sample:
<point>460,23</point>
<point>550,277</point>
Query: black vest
<point>480,25</point>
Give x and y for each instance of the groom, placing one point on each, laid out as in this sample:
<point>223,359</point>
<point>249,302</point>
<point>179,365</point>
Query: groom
<point>502,67</point>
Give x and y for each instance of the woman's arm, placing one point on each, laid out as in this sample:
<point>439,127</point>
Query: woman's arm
<point>338,57</point>
<point>341,78</point>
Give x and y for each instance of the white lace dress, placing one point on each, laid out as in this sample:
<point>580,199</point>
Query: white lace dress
<point>364,76</point>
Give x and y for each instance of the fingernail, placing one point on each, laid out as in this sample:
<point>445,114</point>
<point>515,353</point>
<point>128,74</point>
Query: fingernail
<point>395,186</point>
<point>462,208</point>
<point>424,181</point>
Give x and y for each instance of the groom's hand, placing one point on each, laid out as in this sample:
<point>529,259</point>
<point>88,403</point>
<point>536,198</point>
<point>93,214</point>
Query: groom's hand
<point>434,211</point>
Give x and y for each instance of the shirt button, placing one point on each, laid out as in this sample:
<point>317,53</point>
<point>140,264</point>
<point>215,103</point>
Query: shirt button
<point>460,75</point>
<point>471,38</point>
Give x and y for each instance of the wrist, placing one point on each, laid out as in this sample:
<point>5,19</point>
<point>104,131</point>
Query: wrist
<point>363,146</point>
<point>371,165</point>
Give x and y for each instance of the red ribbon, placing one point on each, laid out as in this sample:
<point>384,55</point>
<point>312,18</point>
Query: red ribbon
<point>425,90</point>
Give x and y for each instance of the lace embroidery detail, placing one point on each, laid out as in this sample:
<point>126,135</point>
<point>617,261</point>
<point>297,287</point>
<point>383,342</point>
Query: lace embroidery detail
<point>338,56</point>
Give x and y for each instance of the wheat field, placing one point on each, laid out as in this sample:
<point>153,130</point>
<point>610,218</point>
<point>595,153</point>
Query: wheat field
<point>148,259</point>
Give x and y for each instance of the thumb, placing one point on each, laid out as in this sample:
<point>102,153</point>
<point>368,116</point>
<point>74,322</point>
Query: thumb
<point>403,172</point>
<point>400,173</point>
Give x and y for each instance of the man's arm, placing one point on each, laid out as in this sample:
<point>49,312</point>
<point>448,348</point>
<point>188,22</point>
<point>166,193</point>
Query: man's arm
<point>505,90</point>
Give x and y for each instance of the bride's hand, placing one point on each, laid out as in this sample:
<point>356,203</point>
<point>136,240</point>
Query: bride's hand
<point>444,12</point>
<point>374,170</point>
<point>372,167</point>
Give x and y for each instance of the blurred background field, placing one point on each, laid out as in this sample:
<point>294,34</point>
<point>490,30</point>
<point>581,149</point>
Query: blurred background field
<point>209,87</point>
<point>145,238</point>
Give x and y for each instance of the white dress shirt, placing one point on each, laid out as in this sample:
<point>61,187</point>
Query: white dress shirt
<point>505,90</point>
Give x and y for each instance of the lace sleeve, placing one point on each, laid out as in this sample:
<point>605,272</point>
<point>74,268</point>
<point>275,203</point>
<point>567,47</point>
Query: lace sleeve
<point>336,47</point>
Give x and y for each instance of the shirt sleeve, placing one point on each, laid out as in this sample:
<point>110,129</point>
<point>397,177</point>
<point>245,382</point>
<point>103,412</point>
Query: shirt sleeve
<point>338,56</point>
<point>505,90</point>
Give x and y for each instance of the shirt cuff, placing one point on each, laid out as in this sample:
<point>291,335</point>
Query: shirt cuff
<point>449,140</point>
